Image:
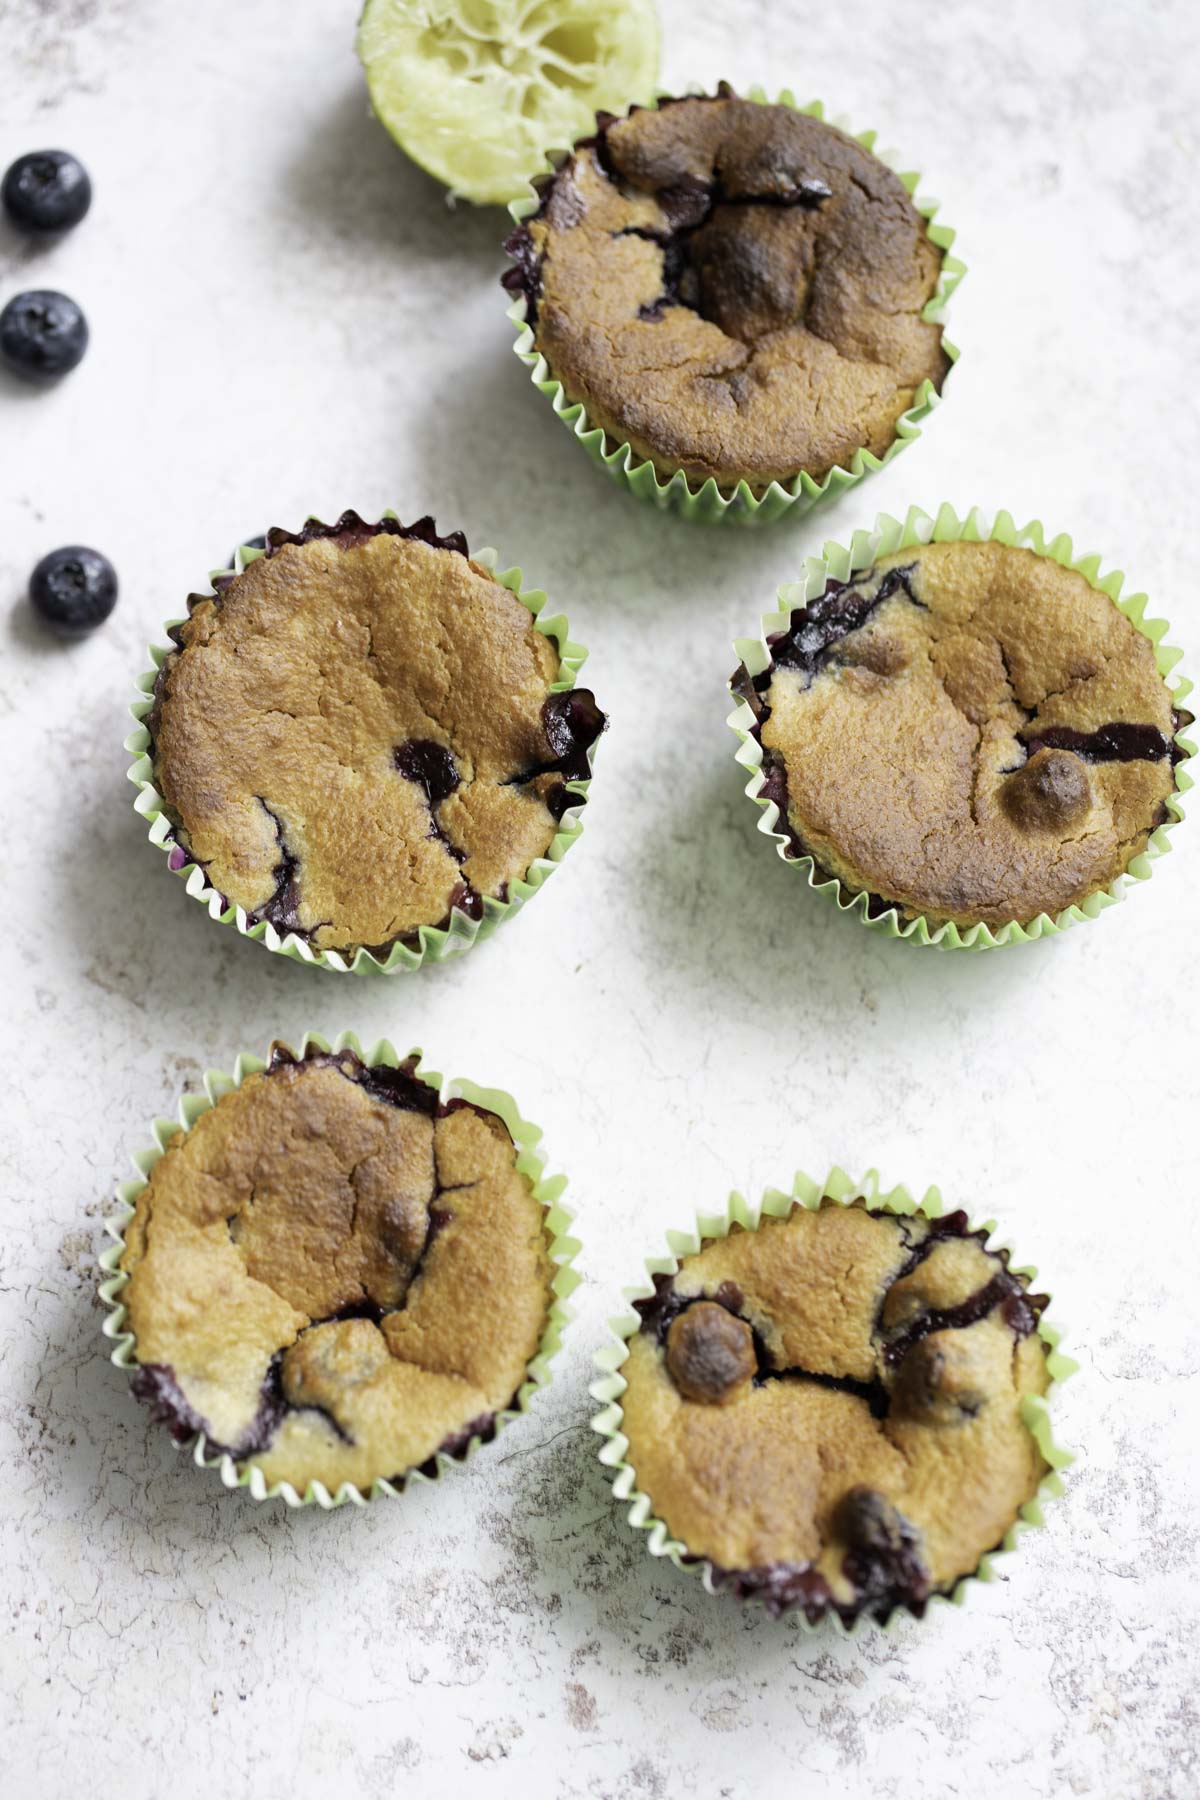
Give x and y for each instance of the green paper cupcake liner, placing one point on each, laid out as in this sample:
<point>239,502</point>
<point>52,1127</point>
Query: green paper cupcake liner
<point>547,1189</point>
<point>435,943</point>
<point>837,563</point>
<point>708,504</point>
<point>806,1192</point>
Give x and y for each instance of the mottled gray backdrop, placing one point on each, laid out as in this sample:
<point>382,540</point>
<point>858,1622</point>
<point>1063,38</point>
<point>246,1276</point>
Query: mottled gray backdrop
<point>286,317</point>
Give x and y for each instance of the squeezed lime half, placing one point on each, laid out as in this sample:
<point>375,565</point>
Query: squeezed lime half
<point>477,91</point>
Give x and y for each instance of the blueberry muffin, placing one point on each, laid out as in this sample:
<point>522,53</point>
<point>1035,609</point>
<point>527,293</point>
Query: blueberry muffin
<point>358,735</point>
<point>736,290</point>
<point>966,732</point>
<point>829,1408</point>
<point>335,1277</point>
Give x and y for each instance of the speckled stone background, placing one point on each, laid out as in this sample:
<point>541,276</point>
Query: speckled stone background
<point>286,316</point>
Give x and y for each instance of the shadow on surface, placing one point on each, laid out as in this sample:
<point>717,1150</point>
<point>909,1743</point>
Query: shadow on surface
<point>492,442</point>
<point>731,913</point>
<point>28,633</point>
<point>578,1554</point>
<point>354,181</point>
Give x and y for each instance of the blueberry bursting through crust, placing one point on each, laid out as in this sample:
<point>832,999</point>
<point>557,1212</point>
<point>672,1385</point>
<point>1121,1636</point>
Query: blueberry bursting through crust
<point>315,1269</point>
<point>735,290</point>
<point>967,732</point>
<point>828,1409</point>
<point>358,736</point>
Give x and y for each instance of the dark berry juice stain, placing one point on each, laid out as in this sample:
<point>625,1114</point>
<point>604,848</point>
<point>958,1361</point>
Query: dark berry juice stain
<point>806,644</point>
<point>843,608</point>
<point>883,1558</point>
<point>465,899</point>
<point>557,801</point>
<point>430,765</point>
<point>155,1385</point>
<point>872,1393</point>
<point>439,1218</point>
<point>357,1309</point>
<point>953,1224</point>
<point>1115,742</point>
<point>686,206</point>
<point>400,1086</point>
<point>1019,1309</point>
<point>283,908</point>
<point>350,531</point>
<point>572,722</point>
<point>775,787</point>
<point>780,1586</point>
<point>524,280</point>
<point>659,1311</point>
<point>433,768</point>
<point>456,1445</point>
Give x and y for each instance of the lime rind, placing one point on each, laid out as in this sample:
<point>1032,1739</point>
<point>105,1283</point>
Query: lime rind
<point>476,91</point>
<point>708,503</point>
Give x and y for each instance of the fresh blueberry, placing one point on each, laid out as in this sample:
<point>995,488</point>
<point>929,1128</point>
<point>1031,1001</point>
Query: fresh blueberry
<point>42,333</point>
<point>47,190</point>
<point>254,543</point>
<point>73,590</point>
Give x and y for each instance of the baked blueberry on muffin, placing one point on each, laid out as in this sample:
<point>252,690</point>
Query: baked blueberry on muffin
<point>363,732</point>
<point>736,290</point>
<point>829,1408</point>
<point>967,732</point>
<point>333,1276</point>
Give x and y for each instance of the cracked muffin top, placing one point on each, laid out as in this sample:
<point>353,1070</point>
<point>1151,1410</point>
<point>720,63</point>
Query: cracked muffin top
<point>358,734</point>
<point>333,1276</point>
<point>967,731</point>
<point>828,1408</point>
<point>734,289</point>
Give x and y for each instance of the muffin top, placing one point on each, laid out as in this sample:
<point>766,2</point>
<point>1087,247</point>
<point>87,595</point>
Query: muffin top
<point>734,289</point>
<point>359,734</point>
<point>333,1276</point>
<point>967,731</point>
<point>829,1408</point>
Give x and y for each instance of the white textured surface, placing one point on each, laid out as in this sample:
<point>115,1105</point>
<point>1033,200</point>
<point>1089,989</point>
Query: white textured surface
<point>285,317</point>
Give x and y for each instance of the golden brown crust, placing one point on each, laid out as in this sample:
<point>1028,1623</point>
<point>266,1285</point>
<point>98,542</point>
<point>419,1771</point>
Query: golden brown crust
<point>294,728</point>
<point>735,290</point>
<point>335,1286</point>
<point>895,1357</point>
<point>911,747</point>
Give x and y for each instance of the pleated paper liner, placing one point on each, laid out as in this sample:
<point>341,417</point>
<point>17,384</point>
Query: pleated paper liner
<point>547,1189</point>
<point>838,563</point>
<point>707,502</point>
<point>837,1188</point>
<point>434,943</point>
